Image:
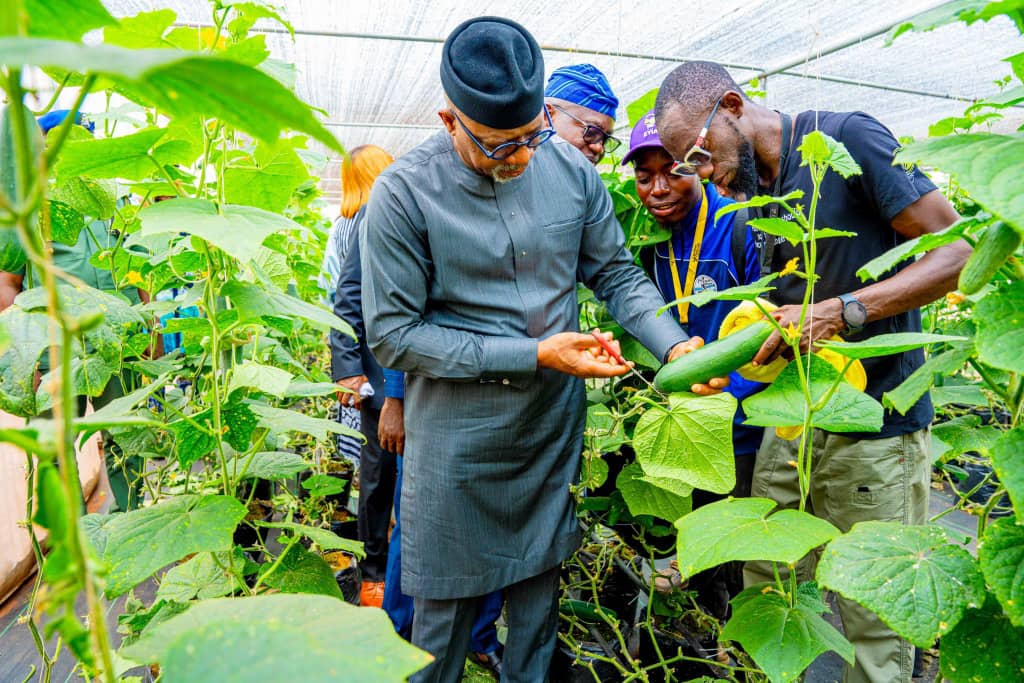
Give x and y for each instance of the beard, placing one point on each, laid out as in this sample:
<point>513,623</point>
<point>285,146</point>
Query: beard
<point>499,173</point>
<point>746,182</point>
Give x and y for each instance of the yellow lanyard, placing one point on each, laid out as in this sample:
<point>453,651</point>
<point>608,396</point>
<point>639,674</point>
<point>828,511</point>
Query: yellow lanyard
<point>691,269</point>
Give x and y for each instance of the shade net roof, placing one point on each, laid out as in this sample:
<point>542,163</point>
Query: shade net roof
<point>373,66</point>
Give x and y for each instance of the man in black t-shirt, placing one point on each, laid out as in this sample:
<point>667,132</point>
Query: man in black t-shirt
<point>855,477</point>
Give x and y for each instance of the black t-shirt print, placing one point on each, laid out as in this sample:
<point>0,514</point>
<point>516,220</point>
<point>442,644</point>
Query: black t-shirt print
<point>864,204</point>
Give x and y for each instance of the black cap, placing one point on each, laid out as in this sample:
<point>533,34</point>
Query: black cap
<point>492,69</point>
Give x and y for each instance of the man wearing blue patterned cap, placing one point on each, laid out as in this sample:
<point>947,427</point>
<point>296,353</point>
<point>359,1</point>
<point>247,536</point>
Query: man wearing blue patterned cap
<point>471,249</point>
<point>582,108</point>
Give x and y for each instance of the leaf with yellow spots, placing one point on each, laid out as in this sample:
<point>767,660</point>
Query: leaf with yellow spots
<point>911,576</point>
<point>278,637</point>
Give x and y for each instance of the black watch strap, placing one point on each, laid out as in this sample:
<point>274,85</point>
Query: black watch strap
<point>855,314</point>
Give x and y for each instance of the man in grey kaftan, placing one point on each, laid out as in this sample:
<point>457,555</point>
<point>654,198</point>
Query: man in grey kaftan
<point>463,277</point>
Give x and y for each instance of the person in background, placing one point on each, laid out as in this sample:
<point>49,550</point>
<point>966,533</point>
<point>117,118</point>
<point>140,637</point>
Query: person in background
<point>354,367</point>
<point>471,251</point>
<point>726,256</point>
<point>358,171</point>
<point>706,122</point>
<point>124,471</point>
<point>582,107</point>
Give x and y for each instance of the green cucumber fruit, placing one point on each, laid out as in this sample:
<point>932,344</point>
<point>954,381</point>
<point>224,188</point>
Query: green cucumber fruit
<point>716,359</point>
<point>586,611</point>
<point>998,243</point>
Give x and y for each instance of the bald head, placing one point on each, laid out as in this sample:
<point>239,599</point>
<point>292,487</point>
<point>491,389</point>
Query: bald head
<point>694,86</point>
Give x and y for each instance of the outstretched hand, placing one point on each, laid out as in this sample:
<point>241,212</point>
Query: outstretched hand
<point>580,355</point>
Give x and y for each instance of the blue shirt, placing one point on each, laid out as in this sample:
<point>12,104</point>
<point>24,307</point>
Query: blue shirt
<point>716,270</point>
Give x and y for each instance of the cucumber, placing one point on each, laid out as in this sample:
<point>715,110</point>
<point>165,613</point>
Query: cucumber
<point>717,359</point>
<point>998,243</point>
<point>586,611</point>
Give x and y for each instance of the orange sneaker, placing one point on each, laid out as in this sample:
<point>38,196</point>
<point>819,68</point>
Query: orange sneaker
<point>371,594</point>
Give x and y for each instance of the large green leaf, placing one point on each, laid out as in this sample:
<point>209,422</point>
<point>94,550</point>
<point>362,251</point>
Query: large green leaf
<point>881,265</point>
<point>88,196</point>
<point>1000,320</point>
<point>903,397</point>
<point>89,377</point>
<point>983,648</point>
<point>661,497</point>
<point>65,19</point>
<point>302,571</point>
<point>120,411</point>
<point>144,540</point>
<point>782,403</point>
<point>66,222</point>
<point>265,378</point>
<point>690,442</point>
<point>28,337</point>
<point>269,180</point>
<point>144,30</point>
<point>238,230</point>
<point>964,434</point>
<point>268,465</point>
<point>987,166</point>
<point>887,344</point>
<point>1001,554</point>
<point>131,157</point>
<point>254,302</point>
<point>282,420</point>
<point>273,638</point>
<point>1008,461</point>
<point>207,575</point>
<point>178,84</point>
<point>784,639</point>
<point>910,576</point>
<point>741,529</point>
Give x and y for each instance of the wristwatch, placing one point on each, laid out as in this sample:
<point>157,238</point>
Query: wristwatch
<point>854,313</point>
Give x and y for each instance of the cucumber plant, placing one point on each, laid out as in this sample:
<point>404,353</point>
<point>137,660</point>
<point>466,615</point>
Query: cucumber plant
<point>210,125</point>
<point>922,582</point>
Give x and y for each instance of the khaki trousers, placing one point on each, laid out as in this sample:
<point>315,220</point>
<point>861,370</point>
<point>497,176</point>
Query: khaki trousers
<point>852,480</point>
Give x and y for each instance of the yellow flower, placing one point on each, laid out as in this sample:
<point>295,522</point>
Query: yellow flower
<point>955,298</point>
<point>791,265</point>
<point>134,278</point>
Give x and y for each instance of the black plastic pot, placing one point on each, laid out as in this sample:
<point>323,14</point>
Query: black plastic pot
<point>566,667</point>
<point>670,644</point>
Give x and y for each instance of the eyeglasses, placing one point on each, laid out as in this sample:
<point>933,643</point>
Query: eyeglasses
<point>507,149</point>
<point>594,134</point>
<point>697,156</point>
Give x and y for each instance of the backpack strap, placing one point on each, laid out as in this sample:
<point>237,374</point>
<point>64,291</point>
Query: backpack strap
<point>739,242</point>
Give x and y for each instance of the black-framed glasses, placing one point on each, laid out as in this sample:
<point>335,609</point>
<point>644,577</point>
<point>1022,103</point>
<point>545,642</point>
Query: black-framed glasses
<point>507,149</point>
<point>594,134</point>
<point>697,156</point>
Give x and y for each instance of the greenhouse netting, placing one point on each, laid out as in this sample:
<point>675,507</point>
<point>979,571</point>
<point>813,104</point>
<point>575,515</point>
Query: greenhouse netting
<point>372,67</point>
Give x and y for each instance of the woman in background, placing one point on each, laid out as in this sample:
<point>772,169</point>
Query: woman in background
<point>358,171</point>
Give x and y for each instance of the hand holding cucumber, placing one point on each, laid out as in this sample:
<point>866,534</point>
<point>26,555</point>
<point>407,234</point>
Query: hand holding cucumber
<point>824,320</point>
<point>715,385</point>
